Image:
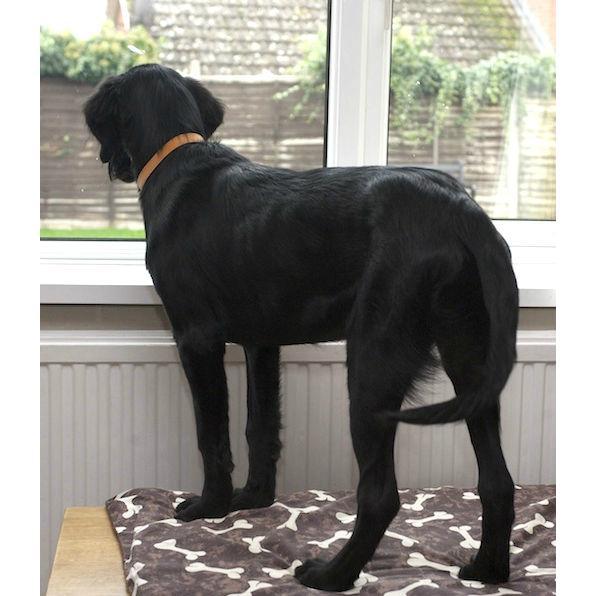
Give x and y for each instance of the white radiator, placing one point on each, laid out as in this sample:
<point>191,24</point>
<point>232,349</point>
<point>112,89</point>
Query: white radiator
<point>116,413</point>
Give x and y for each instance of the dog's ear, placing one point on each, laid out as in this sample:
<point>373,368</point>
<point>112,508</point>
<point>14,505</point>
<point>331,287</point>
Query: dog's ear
<point>211,109</point>
<point>101,112</point>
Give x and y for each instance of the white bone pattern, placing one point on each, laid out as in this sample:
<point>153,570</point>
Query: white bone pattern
<point>339,535</point>
<point>501,592</point>
<point>534,570</point>
<point>437,515</point>
<point>219,520</point>
<point>279,573</point>
<point>537,521</point>
<point>170,522</point>
<point>233,573</point>
<point>405,541</point>
<point>543,502</point>
<point>177,502</point>
<point>417,505</point>
<point>131,508</point>
<point>294,513</point>
<point>254,545</point>
<point>468,496</point>
<point>419,560</point>
<point>514,550</point>
<point>363,579</point>
<point>468,541</point>
<point>120,529</point>
<point>134,543</point>
<point>133,575</point>
<point>406,589</point>
<point>253,586</point>
<point>240,524</point>
<point>345,518</point>
<point>322,495</point>
<point>189,555</point>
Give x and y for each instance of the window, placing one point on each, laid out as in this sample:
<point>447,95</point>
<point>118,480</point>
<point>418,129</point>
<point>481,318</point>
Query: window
<point>472,93</point>
<point>466,86</point>
<point>252,55</point>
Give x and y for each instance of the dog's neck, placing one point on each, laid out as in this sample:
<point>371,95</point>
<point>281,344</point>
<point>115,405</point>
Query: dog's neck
<point>144,142</point>
<point>163,152</point>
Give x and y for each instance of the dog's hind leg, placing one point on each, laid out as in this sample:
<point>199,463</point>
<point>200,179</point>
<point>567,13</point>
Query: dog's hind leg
<point>461,327</point>
<point>495,487</point>
<point>206,376</point>
<point>262,428</point>
<point>380,372</point>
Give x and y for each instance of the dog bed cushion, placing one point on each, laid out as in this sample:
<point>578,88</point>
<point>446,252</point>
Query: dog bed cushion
<point>436,531</point>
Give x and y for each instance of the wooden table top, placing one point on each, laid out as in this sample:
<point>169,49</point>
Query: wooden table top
<point>87,559</point>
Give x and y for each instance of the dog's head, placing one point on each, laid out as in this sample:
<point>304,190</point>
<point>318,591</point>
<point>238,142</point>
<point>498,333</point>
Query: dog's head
<point>133,114</point>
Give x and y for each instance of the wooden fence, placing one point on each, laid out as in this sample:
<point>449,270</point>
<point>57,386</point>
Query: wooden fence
<point>75,190</point>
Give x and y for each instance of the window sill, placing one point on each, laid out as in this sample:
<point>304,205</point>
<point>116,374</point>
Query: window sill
<point>131,284</point>
<point>86,272</point>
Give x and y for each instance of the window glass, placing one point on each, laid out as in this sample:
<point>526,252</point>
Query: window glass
<point>254,55</point>
<point>473,93</point>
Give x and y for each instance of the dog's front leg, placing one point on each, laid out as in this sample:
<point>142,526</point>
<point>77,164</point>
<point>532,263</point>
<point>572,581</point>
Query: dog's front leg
<point>262,428</point>
<point>206,376</point>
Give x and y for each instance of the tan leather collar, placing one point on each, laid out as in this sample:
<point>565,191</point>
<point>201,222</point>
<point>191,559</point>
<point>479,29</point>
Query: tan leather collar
<point>173,143</point>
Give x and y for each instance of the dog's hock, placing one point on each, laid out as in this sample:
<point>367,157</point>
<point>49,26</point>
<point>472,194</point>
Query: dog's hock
<point>279,573</point>
<point>417,505</point>
<point>437,515</point>
<point>534,523</point>
<point>189,555</point>
<point>233,573</point>
<point>339,535</point>
<point>407,589</point>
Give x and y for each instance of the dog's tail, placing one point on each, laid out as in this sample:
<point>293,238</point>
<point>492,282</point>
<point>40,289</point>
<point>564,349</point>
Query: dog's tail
<point>500,294</point>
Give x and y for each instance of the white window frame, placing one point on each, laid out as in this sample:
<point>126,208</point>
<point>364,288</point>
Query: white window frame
<point>113,272</point>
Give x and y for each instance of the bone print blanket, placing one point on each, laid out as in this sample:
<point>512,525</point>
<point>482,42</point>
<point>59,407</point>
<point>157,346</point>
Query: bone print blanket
<point>436,531</point>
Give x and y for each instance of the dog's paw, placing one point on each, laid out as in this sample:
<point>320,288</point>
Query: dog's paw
<point>244,498</point>
<point>197,508</point>
<point>317,573</point>
<point>483,572</point>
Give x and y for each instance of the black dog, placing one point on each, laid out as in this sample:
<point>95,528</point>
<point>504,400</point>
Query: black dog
<point>394,260</point>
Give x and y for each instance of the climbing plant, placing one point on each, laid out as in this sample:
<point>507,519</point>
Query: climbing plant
<point>89,60</point>
<point>421,78</point>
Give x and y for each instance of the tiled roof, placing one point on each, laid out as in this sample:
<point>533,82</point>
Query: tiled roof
<point>263,37</point>
<point>241,37</point>
<point>465,31</point>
